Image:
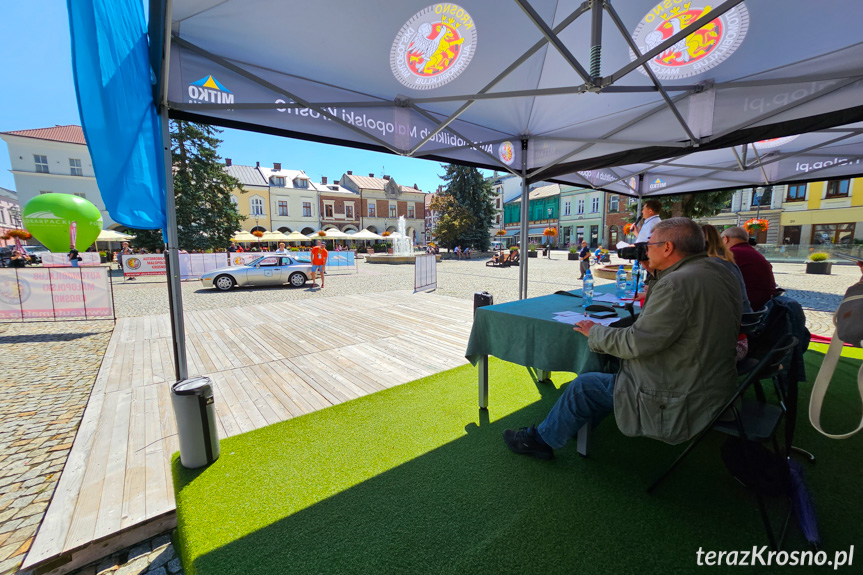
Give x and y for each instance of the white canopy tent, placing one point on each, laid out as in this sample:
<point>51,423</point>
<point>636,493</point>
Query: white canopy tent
<point>366,235</point>
<point>592,93</point>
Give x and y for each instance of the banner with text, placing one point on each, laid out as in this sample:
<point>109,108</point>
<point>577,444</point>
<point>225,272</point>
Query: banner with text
<point>38,293</point>
<point>144,265</point>
<point>55,260</point>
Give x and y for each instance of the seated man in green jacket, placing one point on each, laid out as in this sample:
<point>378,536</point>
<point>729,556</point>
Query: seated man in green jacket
<point>677,360</point>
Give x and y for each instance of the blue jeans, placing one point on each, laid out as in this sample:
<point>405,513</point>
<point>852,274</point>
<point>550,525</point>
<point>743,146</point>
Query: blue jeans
<point>588,397</point>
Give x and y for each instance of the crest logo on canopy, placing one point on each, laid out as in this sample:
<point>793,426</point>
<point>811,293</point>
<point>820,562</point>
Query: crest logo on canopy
<point>434,47</point>
<point>697,53</point>
<point>774,142</point>
<point>506,153</point>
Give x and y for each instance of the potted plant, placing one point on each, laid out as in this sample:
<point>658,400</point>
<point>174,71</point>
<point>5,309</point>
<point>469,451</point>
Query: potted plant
<point>389,245</point>
<point>818,264</point>
<point>103,257</point>
<point>531,250</point>
<point>573,253</point>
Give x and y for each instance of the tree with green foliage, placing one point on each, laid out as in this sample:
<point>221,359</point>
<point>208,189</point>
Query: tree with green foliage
<point>474,193</point>
<point>696,205</point>
<point>206,216</point>
<point>454,220</point>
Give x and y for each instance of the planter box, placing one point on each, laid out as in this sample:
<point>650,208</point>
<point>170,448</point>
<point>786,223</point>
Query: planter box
<point>822,268</point>
<point>572,257</point>
<point>531,254</point>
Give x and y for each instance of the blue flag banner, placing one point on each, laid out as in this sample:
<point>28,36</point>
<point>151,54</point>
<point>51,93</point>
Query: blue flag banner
<point>111,66</point>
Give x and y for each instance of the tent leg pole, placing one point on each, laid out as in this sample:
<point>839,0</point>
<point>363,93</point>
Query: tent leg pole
<point>525,210</point>
<point>172,260</point>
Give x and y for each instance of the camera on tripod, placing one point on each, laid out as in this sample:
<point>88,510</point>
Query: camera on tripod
<point>636,252</point>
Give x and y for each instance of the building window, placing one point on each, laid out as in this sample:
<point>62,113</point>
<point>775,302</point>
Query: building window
<point>236,202</point>
<point>328,211</point>
<point>2,216</point>
<point>41,164</point>
<point>411,212</point>
<point>614,205</point>
<point>841,234</point>
<point>307,209</point>
<point>594,205</point>
<point>766,198</point>
<point>372,211</point>
<point>393,210</point>
<point>256,206</point>
<point>498,219</point>
<point>837,188</point>
<point>497,204</point>
<point>566,208</point>
<point>283,208</point>
<point>277,181</point>
<point>796,193</point>
<point>75,167</point>
<point>579,207</point>
<point>349,212</point>
<point>300,183</point>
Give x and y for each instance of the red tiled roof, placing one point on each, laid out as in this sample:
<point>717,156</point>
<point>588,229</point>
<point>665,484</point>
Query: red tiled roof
<point>70,134</point>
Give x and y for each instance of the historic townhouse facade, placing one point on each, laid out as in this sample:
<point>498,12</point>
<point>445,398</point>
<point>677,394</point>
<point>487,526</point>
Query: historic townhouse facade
<point>581,215</point>
<point>543,210</point>
<point>823,213</point>
<point>253,201</point>
<point>383,200</point>
<point>293,200</point>
<point>54,160</point>
<point>339,207</point>
<point>617,214</point>
<point>10,214</point>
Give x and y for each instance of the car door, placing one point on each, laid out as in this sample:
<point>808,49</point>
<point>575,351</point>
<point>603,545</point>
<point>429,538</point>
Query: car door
<point>266,272</point>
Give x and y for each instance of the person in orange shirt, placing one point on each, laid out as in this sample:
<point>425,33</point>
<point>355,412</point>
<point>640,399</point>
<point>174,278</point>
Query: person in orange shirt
<point>319,262</point>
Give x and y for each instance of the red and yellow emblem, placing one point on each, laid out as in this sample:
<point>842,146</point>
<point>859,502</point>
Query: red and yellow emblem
<point>703,49</point>
<point>433,47</point>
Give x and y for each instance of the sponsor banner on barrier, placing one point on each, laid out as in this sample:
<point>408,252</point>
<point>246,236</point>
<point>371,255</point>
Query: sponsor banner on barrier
<point>55,260</point>
<point>38,293</point>
<point>144,265</point>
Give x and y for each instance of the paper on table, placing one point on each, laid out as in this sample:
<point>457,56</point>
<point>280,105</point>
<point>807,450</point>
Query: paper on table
<point>571,317</point>
<point>609,297</point>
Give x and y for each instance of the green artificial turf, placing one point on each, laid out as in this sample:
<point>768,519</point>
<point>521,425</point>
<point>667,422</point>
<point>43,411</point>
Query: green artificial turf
<point>417,479</point>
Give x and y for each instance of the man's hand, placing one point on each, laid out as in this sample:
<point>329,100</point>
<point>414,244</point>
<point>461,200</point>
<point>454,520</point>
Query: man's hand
<point>583,326</point>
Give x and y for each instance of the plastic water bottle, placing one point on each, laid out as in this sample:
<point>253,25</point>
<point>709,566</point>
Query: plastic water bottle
<point>621,282</point>
<point>632,284</point>
<point>587,288</point>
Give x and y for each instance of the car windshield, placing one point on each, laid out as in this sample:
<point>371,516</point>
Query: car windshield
<point>268,261</point>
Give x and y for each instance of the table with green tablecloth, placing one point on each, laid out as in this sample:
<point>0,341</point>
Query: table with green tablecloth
<point>525,332</point>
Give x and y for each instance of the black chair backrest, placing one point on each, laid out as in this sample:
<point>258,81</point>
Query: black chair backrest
<point>749,322</point>
<point>777,360</point>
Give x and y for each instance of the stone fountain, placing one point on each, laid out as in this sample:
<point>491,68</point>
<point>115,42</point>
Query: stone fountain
<point>403,249</point>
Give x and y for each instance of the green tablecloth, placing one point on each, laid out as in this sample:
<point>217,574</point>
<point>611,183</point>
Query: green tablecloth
<point>525,333</point>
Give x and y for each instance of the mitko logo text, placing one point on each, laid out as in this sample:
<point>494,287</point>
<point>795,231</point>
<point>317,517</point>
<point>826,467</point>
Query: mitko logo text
<point>210,91</point>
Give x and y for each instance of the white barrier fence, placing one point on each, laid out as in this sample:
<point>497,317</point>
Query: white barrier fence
<point>55,260</point>
<point>55,294</point>
<point>425,272</point>
<point>193,266</point>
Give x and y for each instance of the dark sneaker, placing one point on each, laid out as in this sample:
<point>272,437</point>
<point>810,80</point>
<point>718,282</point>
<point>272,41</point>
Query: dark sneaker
<point>525,442</point>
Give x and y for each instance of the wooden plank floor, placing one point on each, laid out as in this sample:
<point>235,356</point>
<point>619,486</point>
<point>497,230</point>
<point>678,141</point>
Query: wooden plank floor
<point>268,363</point>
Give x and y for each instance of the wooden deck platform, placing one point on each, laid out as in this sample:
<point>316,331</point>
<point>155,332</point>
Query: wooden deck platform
<point>268,363</point>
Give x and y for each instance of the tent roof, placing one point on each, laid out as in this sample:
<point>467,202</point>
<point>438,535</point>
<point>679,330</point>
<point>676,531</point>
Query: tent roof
<point>468,82</point>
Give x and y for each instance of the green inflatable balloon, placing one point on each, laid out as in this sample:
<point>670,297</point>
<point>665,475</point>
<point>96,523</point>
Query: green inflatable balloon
<point>58,220</point>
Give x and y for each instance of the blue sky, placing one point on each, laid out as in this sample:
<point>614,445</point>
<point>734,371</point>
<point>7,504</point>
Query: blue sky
<point>38,92</point>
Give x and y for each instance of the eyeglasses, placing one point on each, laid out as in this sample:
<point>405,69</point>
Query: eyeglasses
<point>657,243</point>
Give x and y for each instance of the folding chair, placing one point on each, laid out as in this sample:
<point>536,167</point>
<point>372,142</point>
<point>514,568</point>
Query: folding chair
<point>753,420</point>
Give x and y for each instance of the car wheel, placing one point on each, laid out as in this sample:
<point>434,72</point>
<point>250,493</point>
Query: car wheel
<point>224,283</point>
<point>297,279</point>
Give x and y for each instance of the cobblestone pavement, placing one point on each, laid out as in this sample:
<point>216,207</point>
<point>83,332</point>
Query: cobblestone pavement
<point>153,557</point>
<point>46,373</point>
<point>820,295</point>
<point>42,394</point>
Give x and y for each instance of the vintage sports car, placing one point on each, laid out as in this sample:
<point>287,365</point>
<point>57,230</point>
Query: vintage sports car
<point>268,270</point>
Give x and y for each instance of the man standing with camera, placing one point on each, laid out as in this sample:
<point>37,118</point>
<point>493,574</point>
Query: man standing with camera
<point>678,360</point>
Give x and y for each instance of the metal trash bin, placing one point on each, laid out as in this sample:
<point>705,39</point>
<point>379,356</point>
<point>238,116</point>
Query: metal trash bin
<point>195,412</point>
<point>482,299</point>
